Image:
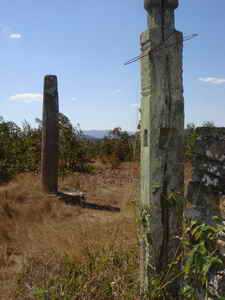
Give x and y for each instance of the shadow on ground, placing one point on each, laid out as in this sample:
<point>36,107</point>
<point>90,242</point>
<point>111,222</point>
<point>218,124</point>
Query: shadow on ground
<point>77,200</point>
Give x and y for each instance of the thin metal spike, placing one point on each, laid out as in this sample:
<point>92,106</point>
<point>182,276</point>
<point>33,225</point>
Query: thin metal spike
<point>135,59</point>
<point>190,37</point>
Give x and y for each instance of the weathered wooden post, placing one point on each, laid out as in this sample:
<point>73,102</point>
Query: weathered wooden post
<point>49,164</point>
<point>162,153</point>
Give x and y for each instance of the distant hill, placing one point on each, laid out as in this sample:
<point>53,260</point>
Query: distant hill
<point>98,134</point>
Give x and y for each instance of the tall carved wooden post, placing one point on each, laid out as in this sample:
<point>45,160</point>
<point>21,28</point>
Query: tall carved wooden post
<point>162,153</point>
<point>49,164</point>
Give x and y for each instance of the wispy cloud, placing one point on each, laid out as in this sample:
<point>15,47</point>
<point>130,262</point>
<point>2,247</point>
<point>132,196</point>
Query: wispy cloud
<point>213,80</point>
<point>8,32</point>
<point>15,36</point>
<point>135,105</point>
<point>26,97</point>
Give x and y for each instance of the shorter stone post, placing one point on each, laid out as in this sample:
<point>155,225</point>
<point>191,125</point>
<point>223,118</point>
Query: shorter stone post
<point>206,192</point>
<point>207,186</point>
<point>50,134</point>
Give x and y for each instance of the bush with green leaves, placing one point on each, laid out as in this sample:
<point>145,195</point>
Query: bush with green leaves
<point>191,138</point>
<point>20,148</point>
<point>202,265</point>
<point>203,260</point>
<point>190,141</point>
<point>119,146</point>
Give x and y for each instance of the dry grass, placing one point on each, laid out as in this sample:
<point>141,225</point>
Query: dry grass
<point>106,274</point>
<point>50,250</point>
<point>38,231</point>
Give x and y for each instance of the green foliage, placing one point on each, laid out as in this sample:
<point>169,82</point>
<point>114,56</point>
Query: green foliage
<point>119,147</point>
<point>190,141</point>
<point>197,263</point>
<point>191,137</point>
<point>20,148</point>
<point>209,124</point>
<point>73,148</point>
<point>202,258</point>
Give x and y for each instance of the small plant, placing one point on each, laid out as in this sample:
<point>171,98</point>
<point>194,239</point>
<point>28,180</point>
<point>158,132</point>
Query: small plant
<point>202,259</point>
<point>190,141</point>
<point>201,262</point>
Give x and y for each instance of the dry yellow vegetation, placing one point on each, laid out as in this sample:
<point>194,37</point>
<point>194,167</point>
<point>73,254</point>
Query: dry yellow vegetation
<point>52,250</point>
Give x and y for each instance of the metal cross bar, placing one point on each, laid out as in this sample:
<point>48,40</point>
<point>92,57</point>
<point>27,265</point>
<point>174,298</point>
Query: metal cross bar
<point>134,59</point>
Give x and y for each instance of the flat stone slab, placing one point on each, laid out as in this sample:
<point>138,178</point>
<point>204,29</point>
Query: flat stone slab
<point>73,197</point>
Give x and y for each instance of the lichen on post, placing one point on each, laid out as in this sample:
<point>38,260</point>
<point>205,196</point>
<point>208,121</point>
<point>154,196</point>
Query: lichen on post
<point>162,147</point>
<point>49,154</point>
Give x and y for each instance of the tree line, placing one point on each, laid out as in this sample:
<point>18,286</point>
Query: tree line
<point>20,148</point>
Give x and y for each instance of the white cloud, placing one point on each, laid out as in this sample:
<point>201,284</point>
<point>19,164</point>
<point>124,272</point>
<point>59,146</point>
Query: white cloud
<point>27,97</point>
<point>135,105</point>
<point>9,33</point>
<point>15,36</point>
<point>213,80</point>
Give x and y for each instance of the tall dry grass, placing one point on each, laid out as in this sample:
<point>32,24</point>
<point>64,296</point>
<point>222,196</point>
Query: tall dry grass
<point>50,249</point>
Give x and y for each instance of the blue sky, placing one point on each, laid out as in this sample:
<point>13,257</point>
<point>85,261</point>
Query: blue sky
<point>85,43</point>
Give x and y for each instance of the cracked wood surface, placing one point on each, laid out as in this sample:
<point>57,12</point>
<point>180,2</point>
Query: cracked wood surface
<point>162,158</point>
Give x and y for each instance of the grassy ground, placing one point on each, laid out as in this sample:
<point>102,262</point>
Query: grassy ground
<point>50,250</point>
